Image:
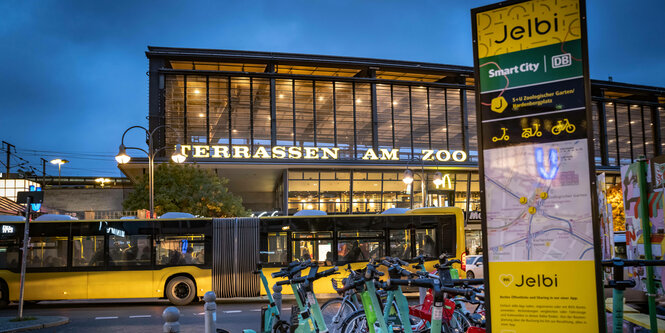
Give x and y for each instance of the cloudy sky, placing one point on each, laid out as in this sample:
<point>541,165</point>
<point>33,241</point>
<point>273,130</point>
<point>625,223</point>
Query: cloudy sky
<point>74,72</point>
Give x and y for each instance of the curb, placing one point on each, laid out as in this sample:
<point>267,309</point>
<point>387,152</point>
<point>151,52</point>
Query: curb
<point>58,322</point>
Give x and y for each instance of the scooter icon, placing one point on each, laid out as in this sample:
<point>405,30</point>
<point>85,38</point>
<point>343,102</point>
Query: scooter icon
<point>503,137</point>
<point>531,131</point>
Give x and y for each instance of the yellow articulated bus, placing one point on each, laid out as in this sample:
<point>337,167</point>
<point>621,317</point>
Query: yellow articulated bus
<point>181,259</point>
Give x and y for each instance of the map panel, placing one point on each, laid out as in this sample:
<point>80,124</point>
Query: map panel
<point>538,202</point>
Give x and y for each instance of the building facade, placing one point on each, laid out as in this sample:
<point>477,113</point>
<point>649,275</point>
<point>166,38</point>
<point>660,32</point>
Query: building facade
<point>294,131</point>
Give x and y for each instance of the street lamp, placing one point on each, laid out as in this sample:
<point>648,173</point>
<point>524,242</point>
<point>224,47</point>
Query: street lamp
<point>123,158</point>
<point>407,178</point>
<point>102,181</point>
<point>59,162</point>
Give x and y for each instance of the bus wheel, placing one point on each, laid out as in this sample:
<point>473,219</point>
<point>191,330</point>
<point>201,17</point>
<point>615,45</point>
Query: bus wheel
<point>180,290</point>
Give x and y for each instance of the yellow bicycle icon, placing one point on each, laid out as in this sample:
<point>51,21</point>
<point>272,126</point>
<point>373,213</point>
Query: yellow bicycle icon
<point>531,131</point>
<point>563,125</point>
<point>503,137</point>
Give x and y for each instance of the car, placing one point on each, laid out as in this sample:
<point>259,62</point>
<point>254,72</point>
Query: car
<point>474,267</point>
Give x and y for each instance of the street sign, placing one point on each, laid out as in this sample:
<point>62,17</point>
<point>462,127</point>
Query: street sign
<point>537,176</point>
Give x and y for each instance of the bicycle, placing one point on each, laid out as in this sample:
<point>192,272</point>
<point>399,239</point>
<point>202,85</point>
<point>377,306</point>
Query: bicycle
<point>270,320</point>
<point>309,317</point>
<point>337,309</point>
<point>391,315</point>
<point>452,317</point>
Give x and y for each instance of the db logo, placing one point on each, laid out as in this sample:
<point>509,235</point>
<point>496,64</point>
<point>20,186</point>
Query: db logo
<point>562,60</point>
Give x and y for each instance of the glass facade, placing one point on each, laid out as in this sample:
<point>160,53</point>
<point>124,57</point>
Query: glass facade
<point>237,110</point>
<point>357,104</point>
<point>372,191</point>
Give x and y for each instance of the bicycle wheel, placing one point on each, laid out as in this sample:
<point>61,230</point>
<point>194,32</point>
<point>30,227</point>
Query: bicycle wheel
<point>335,311</point>
<point>459,323</point>
<point>356,322</point>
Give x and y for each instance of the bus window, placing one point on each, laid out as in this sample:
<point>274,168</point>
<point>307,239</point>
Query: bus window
<point>309,245</point>
<point>87,251</point>
<point>180,250</point>
<point>133,250</point>
<point>9,253</point>
<point>354,246</point>
<point>425,243</point>
<point>276,252</point>
<point>400,244</point>
<point>47,252</point>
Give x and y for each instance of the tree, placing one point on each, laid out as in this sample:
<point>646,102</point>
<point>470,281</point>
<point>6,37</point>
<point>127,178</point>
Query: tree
<point>186,188</point>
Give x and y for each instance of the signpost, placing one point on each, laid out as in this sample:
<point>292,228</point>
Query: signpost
<point>28,198</point>
<point>540,230</point>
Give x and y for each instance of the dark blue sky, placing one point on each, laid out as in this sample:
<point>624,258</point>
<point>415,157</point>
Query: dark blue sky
<point>74,72</point>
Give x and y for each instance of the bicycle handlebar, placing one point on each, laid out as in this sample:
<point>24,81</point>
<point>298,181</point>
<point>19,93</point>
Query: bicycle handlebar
<point>351,285</point>
<point>316,276</point>
<point>293,268</point>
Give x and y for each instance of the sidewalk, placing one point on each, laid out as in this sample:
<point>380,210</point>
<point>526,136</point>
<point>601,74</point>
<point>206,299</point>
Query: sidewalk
<point>40,322</point>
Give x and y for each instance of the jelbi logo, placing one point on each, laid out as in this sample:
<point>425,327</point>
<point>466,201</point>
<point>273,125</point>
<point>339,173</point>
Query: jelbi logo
<point>562,60</point>
<point>498,104</point>
<point>535,27</point>
<point>540,280</point>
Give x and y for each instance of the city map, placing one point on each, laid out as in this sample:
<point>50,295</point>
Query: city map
<point>540,211</point>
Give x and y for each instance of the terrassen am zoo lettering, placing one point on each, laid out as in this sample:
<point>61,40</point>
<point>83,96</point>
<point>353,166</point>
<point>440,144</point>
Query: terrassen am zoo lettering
<point>311,153</point>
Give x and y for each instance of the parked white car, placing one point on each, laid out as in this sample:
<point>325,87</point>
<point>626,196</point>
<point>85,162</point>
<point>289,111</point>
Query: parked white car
<point>474,267</point>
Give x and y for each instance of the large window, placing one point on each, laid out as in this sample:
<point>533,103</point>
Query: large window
<point>371,191</point>
<point>345,239</point>
<point>180,250</point>
<point>354,246</point>
<point>129,250</point>
<point>87,251</point>
<point>315,246</point>
<point>47,251</point>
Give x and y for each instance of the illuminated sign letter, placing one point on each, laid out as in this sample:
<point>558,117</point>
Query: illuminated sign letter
<point>201,151</point>
<point>220,151</point>
<point>184,149</point>
<point>240,152</point>
<point>332,153</point>
<point>311,153</point>
<point>278,152</point>
<point>295,152</point>
<point>370,155</point>
<point>440,155</point>
<point>459,156</point>
<point>390,155</point>
<point>261,152</point>
<point>427,155</point>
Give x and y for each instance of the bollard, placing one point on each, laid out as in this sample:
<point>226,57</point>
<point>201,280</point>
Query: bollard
<point>210,309</point>
<point>171,316</point>
<point>277,297</point>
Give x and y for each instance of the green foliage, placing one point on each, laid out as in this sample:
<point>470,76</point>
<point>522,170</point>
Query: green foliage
<point>186,188</point>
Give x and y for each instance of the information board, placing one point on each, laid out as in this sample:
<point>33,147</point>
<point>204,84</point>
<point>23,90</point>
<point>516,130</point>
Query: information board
<point>540,225</point>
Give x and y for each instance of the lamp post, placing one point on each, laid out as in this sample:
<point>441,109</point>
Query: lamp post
<point>59,162</point>
<point>408,180</point>
<point>123,158</point>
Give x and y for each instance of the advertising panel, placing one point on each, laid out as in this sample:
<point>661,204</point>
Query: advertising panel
<point>540,230</point>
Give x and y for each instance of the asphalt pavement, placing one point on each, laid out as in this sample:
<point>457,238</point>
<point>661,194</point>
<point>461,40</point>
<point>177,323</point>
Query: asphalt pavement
<point>141,315</point>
